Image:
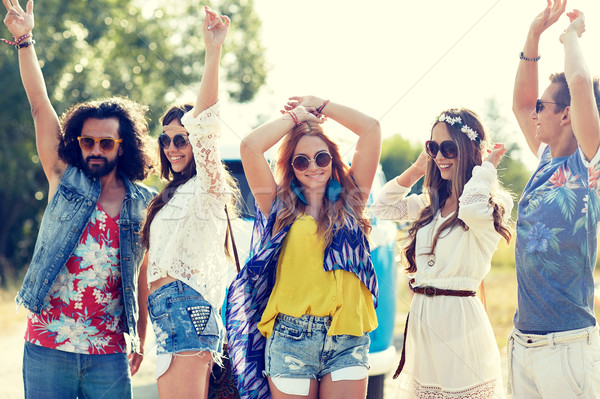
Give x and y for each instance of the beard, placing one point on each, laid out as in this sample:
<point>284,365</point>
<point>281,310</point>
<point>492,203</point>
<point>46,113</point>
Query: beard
<point>96,170</point>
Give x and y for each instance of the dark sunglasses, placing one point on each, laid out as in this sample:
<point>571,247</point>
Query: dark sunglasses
<point>539,105</point>
<point>302,162</point>
<point>107,144</point>
<point>448,148</point>
<point>180,141</point>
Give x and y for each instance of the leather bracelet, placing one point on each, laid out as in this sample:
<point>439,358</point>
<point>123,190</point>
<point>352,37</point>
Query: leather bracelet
<point>25,44</point>
<point>536,59</point>
<point>320,109</point>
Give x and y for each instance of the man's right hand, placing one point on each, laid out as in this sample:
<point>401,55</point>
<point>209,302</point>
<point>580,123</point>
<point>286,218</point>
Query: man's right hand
<point>18,21</point>
<point>548,17</point>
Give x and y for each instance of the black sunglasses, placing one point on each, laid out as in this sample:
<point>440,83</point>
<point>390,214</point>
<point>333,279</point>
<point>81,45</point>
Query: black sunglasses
<point>180,141</point>
<point>539,105</point>
<point>302,162</point>
<point>107,144</point>
<point>448,148</point>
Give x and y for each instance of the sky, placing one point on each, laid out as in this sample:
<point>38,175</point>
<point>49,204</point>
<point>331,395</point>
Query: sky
<point>403,62</point>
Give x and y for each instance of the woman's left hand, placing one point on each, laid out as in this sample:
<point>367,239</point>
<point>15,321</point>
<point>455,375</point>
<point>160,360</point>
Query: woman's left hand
<point>215,28</point>
<point>311,103</point>
<point>496,154</point>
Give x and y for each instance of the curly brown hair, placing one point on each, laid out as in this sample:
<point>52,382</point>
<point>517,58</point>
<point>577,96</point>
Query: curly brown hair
<point>134,163</point>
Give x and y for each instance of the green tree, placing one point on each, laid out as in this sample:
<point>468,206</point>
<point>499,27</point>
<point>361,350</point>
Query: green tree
<point>91,49</point>
<point>397,154</point>
<point>513,173</point>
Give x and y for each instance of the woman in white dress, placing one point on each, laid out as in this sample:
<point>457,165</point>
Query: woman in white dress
<point>450,349</point>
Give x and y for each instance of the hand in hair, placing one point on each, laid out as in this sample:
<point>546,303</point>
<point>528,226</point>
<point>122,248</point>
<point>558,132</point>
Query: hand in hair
<point>577,24</point>
<point>496,154</point>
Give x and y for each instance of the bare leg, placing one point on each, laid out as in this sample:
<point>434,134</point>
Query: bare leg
<point>344,389</point>
<point>313,392</point>
<point>187,376</point>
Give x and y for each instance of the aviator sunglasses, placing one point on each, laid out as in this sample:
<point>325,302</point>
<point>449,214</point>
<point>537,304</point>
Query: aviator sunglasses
<point>107,144</point>
<point>180,141</point>
<point>539,105</point>
<point>448,148</point>
<point>302,162</point>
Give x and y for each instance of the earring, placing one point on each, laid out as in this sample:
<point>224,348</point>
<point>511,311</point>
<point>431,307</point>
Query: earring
<point>334,189</point>
<point>298,191</point>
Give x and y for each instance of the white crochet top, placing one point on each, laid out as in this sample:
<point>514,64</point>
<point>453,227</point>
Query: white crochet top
<point>188,233</point>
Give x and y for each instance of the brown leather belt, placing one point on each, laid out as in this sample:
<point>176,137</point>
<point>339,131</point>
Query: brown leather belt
<point>428,291</point>
<point>432,291</point>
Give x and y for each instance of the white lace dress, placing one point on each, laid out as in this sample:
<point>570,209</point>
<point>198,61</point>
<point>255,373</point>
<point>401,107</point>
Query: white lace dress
<point>188,233</point>
<point>450,351</point>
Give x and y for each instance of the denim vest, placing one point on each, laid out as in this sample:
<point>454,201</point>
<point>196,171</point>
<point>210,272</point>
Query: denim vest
<point>64,220</point>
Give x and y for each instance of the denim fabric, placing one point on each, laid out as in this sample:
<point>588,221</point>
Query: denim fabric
<point>300,347</point>
<point>184,321</point>
<point>54,374</point>
<point>64,220</point>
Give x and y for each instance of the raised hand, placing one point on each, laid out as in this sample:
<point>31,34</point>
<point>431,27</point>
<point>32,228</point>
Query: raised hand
<point>18,21</point>
<point>311,103</point>
<point>215,28</point>
<point>577,24</point>
<point>496,154</point>
<point>549,16</point>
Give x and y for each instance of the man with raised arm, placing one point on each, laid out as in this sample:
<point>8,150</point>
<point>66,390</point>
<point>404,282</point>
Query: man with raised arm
<point>81,287</point>
<point>554,350</point>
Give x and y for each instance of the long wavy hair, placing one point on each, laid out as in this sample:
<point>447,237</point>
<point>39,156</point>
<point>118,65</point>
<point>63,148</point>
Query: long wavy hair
<point>174,180</point>
<point>346,211</point>
<point>439,190</point>
<point>134,163</point>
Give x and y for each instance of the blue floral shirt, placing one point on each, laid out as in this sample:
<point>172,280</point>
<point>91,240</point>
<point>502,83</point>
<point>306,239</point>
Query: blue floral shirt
<point>557,243</point>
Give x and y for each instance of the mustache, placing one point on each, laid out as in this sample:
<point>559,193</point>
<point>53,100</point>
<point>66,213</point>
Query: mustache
<point>89,158</point>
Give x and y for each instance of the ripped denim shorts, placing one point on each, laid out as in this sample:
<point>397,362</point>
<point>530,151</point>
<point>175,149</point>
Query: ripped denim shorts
<point>299,347</point>
<point>184,321</point>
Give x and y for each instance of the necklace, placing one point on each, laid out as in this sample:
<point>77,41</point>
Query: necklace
<point>431,260</point>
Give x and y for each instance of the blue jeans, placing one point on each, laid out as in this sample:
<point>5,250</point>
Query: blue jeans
<point>52,373</point>
<point>299,347</point>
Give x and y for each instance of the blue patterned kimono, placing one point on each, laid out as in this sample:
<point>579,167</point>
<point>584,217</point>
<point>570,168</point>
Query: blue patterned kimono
<point>250,291</point>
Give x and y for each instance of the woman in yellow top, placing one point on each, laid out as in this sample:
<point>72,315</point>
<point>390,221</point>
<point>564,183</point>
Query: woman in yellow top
<point>322,303</point>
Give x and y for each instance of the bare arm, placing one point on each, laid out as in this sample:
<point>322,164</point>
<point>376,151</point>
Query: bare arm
<point>414,172</point>
<point>215,30</point>
<point>526,82</point>
<point>368,148</point>
<point>583,110</point>
<point>47,128</point>
<point>252,150</point>
<point>135,359</point>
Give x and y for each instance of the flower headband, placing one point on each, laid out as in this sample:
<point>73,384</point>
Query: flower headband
<point>466,129</point>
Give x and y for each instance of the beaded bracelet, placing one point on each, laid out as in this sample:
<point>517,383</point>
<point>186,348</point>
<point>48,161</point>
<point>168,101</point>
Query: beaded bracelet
<point>320,109</point>
<point>536,59</point>
<point>16,41</point>
<point>24,45</point>
<point>294,117</point>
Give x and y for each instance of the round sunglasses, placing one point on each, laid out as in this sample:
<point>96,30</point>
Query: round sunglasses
<point>301,162</point>
<point>107,144</point>
<point>448,148</point>
<point>180,141</point>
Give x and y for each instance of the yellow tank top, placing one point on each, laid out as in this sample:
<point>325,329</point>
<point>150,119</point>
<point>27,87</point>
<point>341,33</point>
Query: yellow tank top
<point>303,287</point>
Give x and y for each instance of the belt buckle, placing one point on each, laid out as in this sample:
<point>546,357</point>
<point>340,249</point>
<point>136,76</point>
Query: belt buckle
<point>430,291</point>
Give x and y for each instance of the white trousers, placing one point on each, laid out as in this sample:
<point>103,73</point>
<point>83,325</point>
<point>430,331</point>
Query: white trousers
<point>558,365</point>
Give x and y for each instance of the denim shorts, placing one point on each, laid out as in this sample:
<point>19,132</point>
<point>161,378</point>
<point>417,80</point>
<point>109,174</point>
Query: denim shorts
<point>184,321</point>
<point>299,347</point>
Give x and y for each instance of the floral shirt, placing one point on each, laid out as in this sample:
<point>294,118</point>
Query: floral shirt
<point>85,307</point>
<point>556,244</point>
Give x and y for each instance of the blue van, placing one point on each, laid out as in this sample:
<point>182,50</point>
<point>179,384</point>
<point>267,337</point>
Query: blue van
<point>382,353</point>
